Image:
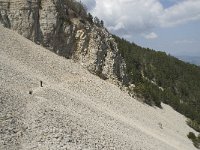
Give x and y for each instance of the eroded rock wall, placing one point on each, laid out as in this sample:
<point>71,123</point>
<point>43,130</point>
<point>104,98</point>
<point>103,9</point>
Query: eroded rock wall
<point>52,24</point>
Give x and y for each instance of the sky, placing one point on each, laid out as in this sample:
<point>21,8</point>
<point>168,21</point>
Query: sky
<point>172,26</point>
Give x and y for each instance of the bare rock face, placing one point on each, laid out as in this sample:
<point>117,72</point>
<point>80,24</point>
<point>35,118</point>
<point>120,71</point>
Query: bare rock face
<point>52,24</point>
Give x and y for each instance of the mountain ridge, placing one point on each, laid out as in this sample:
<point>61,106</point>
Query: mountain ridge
<point>190,59</point>
<point>65,28</point>
<point>74,109</point>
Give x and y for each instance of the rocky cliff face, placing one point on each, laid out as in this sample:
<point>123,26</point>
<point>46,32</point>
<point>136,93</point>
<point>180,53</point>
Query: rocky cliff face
<point>54,25</point>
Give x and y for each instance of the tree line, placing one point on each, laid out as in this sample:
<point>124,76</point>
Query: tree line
<point>159,77</point>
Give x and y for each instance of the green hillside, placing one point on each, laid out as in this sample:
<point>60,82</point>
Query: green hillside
<point>159,77</point>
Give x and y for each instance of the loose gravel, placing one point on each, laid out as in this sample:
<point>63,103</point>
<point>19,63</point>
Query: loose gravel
<point>74,110</point>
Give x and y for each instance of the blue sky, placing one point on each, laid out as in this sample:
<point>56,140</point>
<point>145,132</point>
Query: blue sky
<point>169,3</point>
<point>172,26</point>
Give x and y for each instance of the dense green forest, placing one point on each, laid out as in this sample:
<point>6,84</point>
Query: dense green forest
<point>159,77</point>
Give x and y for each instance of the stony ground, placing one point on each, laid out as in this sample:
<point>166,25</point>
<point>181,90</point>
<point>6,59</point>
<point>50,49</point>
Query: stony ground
<point>74,110</point>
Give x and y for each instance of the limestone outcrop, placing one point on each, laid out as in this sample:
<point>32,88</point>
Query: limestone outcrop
<point>54,25</point>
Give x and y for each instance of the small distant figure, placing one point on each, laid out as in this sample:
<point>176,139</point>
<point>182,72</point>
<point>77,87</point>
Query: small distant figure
<point>41,84</point>
<point>30,92</point>
<point>160,124</point>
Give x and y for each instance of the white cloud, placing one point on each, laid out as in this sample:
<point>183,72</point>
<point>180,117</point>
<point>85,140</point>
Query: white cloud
<point>180,13</point>
<point>150,36</point>
<point>126,17</point>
